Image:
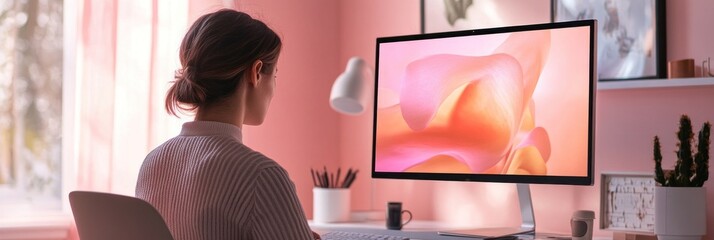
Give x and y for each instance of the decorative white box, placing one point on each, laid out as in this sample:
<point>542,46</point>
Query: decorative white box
<point>627,202</point>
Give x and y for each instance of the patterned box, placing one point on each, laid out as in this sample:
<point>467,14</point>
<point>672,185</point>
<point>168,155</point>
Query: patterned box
<point>627,202</point>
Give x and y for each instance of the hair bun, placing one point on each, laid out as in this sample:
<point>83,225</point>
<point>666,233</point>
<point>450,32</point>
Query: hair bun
<point>186,90</point>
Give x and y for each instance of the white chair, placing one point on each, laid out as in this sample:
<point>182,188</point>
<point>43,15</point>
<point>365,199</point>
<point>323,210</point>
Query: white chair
<point>109,216</point>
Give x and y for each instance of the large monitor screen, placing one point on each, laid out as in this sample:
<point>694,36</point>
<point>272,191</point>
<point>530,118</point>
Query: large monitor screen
<point>512,104</point>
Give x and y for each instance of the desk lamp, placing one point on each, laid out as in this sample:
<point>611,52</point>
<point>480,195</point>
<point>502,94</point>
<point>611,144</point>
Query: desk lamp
<point>351,90</point>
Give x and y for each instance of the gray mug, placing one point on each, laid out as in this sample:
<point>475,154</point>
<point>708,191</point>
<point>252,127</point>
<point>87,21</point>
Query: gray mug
<point>394,216</point>
<point>582,225</point>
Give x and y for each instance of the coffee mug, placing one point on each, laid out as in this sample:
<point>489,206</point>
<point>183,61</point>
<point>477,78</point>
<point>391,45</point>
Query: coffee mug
<point>582,225</point>
<point>394,216</point>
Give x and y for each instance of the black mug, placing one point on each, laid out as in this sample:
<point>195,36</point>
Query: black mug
<point>394,216</point>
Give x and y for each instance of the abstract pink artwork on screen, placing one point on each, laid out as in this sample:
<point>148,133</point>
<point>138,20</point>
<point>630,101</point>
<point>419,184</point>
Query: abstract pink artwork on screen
<point>472,105</point>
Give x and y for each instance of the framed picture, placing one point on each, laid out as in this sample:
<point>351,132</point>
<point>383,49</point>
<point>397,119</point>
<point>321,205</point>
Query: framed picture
<point>631,35</point>
<point>455,15</point>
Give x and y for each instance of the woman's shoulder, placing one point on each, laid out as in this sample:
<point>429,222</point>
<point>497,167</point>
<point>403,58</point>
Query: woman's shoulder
<point>244,156</point>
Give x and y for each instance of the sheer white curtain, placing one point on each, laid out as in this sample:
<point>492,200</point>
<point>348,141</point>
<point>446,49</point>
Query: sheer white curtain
<point>126,52</point>
<point>120,56</point>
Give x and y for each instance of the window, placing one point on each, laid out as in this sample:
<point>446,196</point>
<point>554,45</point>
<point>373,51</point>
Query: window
<point>31,113</point>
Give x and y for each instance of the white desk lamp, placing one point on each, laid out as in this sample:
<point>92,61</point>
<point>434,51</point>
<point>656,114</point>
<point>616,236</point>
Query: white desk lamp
<point>351,91</point>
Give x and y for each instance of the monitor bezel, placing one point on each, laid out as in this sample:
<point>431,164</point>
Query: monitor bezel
<point>523,179</point>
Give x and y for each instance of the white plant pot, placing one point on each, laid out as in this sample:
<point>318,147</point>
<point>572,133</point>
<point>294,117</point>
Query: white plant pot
<point>680,213</point>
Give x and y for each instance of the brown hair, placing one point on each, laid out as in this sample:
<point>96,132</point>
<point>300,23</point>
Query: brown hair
<point>217,51</point>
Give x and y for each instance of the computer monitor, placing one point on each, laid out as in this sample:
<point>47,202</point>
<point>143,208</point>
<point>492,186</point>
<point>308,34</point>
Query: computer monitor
<point>512,104</point>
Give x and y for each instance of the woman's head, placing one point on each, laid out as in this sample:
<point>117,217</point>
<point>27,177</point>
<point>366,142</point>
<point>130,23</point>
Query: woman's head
<point>219,53</point>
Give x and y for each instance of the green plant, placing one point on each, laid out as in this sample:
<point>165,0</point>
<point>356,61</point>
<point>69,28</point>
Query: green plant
<point>691,170</point>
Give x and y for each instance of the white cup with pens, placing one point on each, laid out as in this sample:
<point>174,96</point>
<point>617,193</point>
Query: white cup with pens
<point>331,195</point>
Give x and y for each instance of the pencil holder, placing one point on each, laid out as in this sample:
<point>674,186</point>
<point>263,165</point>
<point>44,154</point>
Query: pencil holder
<point>330,205</point>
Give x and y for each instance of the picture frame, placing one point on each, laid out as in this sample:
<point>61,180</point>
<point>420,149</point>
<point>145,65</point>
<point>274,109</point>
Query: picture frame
<point>631,35</point>
<point>456,15</point>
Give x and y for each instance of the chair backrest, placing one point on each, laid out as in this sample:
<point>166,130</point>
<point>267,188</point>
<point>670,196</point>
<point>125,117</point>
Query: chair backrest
<point>109,216</point>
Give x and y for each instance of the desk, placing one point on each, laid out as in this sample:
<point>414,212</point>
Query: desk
<point>416,225</point>
<point>415,230</point>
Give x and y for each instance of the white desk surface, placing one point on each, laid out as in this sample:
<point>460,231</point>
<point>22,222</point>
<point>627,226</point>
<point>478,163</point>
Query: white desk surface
<point>415,225</point>
<point>416,230</point>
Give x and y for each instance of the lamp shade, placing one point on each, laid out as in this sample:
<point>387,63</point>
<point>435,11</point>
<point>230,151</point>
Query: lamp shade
<point>350,91</point>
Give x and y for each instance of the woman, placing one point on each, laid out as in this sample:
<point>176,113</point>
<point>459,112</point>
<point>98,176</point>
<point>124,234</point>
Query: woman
<point>205,182</point>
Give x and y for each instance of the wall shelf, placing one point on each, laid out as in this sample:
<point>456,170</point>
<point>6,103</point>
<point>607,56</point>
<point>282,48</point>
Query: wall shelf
<point>656,83</point>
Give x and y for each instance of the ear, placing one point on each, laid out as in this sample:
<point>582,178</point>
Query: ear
<point>255,72</point>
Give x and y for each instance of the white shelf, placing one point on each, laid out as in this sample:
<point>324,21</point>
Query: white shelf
<point>656,83</point>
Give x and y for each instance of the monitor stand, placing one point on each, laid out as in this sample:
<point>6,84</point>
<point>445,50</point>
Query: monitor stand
<point>527,220</point>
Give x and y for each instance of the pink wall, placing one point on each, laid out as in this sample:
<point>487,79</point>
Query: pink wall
<point>626,122</point>
<point>689,33</point>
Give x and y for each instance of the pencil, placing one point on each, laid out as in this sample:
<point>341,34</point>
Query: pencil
<point>314,179</point>
<point>326,180</point>
<point>354,175</point>
<point>320,179</point>
<point>332,181</point>
<point>347,177</point>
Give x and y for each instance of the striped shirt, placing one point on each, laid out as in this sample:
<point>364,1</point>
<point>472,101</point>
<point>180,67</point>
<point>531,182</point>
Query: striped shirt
<point>207,185</point>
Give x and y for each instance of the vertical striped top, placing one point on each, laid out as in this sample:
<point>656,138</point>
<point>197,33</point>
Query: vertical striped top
<point>208,185</point>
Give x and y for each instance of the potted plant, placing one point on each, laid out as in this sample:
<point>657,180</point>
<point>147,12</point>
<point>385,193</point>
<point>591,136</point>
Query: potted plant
<point>680,199</point>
